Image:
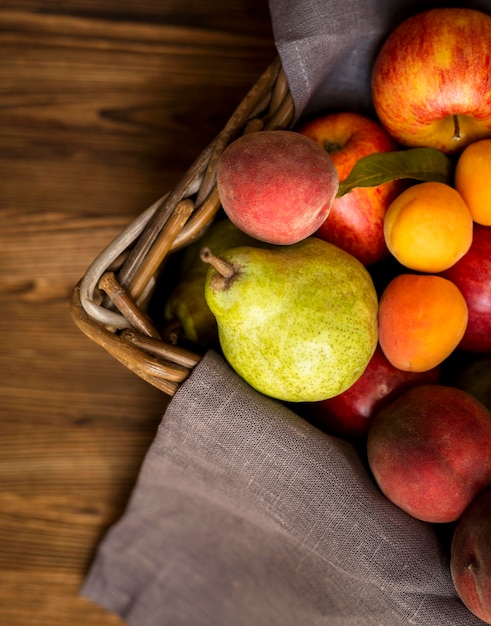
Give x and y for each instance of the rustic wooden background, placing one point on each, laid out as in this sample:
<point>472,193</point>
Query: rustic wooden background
<point>103,105</point>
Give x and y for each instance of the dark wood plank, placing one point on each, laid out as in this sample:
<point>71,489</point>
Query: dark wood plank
<point>103,106</point>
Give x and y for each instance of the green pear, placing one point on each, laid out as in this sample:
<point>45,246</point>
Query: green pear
<point>186,304</point>
<point>297,322</point>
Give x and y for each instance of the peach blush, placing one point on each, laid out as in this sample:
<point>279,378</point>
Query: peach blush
<point>277,186</point>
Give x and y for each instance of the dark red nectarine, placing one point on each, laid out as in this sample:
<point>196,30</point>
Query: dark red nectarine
<point>349,414</point>
<point>472,275</point>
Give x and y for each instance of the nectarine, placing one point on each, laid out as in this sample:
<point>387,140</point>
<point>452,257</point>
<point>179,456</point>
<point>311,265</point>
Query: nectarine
<point>472,275</point>
<point>349,414</point>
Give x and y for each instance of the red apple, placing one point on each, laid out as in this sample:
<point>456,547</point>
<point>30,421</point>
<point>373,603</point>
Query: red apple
<point>350,413</point>
<point>472,275</point>
<point>356,220</point>
<point>431,80</point>
<point>470,556</point>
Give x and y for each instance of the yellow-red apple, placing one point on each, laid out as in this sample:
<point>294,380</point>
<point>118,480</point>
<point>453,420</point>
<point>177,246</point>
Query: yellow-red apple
<point>356,220</point>
<point>431,80</point>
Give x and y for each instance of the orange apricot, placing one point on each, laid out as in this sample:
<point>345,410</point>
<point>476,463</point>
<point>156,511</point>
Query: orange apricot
<point>473,180</point>
<point>428,227</point>
<point>421,319</point>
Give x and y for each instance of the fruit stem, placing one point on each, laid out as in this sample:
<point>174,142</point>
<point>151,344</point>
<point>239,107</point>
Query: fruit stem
<point>456,133</point>
<point>224,268</point>
<point>331,147</point>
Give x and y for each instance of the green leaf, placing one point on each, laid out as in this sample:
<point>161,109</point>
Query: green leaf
<point>423,164</point>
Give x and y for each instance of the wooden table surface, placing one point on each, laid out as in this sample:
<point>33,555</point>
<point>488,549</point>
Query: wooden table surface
<point>103,105</point>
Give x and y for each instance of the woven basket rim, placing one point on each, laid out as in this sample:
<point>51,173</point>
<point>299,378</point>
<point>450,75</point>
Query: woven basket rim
<point>109,302</point>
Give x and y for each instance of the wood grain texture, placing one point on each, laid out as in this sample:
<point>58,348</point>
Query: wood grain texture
<point>103,106</point>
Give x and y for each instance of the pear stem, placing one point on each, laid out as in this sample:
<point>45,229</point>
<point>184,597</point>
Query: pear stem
<point>224,268</point>
<point>456,133</point>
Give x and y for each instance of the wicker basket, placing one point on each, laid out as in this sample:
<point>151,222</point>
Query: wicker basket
<point>109,304</point>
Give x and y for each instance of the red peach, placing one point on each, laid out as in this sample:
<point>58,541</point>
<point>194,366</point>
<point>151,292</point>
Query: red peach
<point>277,186</point>
<point>470,556</point>
<point>429,451</point>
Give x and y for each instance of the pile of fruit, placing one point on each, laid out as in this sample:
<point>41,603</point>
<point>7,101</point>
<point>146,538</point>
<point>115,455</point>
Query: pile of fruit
<point>351,275</point>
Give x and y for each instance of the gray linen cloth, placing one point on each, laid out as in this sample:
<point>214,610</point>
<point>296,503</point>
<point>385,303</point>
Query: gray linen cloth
<point>243,513</point>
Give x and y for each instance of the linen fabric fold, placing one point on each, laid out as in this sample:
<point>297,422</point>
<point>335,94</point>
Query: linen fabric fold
<point>244,514</point>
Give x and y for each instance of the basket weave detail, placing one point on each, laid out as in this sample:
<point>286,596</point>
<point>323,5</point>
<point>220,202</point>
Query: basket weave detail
<point>109,302</point>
